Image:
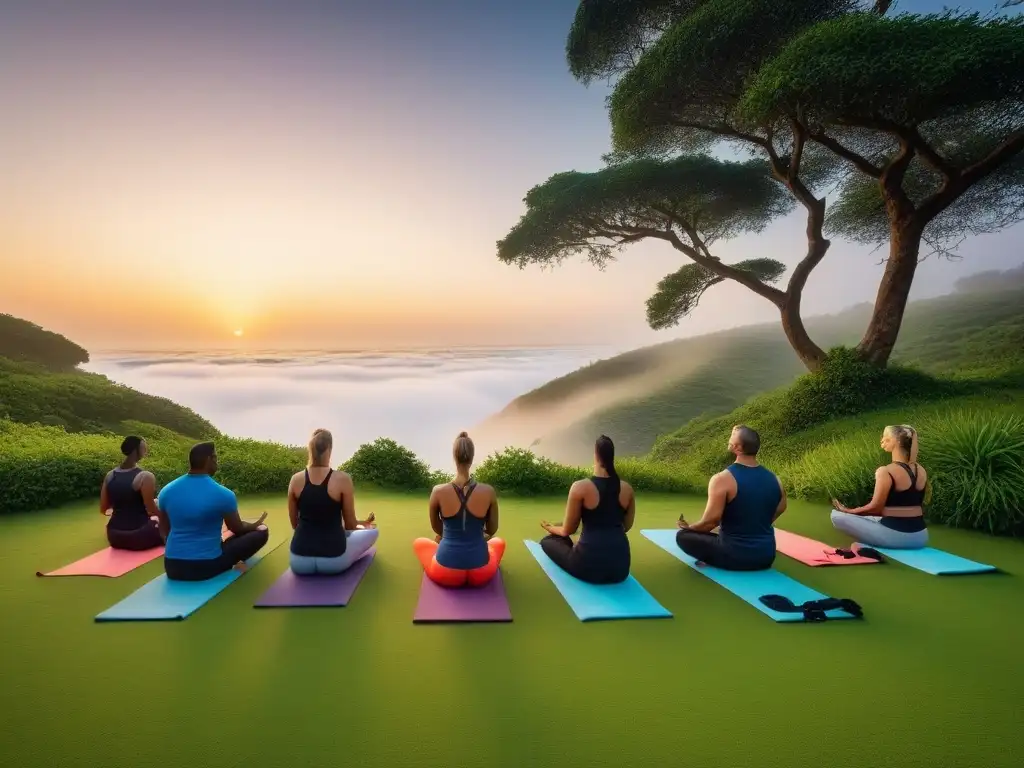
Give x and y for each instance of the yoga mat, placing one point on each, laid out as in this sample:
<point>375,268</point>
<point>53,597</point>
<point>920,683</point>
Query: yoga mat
<point>291,591</point>
<point>749,586</point>
<point>593,602</point>
<point>934,561</point>
<point>107,562</point>
<point>166,600</point>
<point>811,552</point>
<point>112,562</point>
<point>442,604</point>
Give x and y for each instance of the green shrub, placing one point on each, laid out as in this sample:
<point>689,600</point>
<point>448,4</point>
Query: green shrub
<point>386,464</point>
<point>521,472</point>
<point>977,472</point>
<point>845,385</point>
<point>41,467</point>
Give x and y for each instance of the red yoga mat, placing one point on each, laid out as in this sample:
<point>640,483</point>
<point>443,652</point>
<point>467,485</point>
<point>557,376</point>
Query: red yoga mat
<point>813,553</point>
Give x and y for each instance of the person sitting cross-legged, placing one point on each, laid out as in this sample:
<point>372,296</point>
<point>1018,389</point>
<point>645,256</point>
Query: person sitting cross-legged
<point>193,510</point>
<point>322,508</point>
<point>464,515</point>
<point>744,500</point>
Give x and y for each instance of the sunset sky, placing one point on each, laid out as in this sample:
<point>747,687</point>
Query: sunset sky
<point>328,174</point>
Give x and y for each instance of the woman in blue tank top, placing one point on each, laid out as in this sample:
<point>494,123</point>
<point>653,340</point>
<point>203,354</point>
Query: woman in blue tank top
<point>606,507</point>
<point>464,516</point>
<point>128,496</point>
<point>894,517</point>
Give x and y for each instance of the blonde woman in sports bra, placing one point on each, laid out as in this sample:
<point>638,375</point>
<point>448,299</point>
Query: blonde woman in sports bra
<point>894,517</point>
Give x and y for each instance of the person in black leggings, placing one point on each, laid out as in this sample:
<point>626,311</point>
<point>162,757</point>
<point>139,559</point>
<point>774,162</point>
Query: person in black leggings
<point>745,499</point>
<point>606,506</point>
<point>192,510</point>
<point>128,497</point>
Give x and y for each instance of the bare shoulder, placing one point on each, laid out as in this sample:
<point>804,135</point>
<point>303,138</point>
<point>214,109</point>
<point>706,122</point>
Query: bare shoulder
<point>485,489</point>
<point>580,486</point>
<point>627,488</point>
<point>341,477</point>
<point>145,476</point>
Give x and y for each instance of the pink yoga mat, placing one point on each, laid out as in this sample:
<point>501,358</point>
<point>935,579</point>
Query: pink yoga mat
<point>813,553</point>
<point>107,562</point>
<point>112,562</point>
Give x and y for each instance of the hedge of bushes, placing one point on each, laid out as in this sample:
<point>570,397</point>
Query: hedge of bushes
<point>43,466</point>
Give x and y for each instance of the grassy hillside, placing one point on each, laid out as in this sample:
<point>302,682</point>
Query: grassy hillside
<point>649,392</point>
<point>25,342</point>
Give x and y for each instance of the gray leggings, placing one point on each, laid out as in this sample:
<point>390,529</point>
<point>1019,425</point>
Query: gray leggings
<point>356,545</point>
<point>868,529</point>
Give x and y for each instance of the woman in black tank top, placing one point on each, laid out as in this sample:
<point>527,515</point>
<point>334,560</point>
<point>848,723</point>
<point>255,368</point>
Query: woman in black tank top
<point>894,517</point>
<point>606,508</point>
<point>321,506</point>
<point>128,495</point>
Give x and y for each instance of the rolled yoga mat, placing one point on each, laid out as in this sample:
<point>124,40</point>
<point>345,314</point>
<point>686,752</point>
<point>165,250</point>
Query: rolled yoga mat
<point>166,600</point>
<point>594,602</point>
<point>934,561</point>
<point>108,562</point>
<point>749,586</point>
<point>462,604</point>
<point>814,553</point>
<point>292,591</point>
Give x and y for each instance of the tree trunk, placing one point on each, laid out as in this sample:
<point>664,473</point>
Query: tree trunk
<point>810,354</point>
<point>893,292</point>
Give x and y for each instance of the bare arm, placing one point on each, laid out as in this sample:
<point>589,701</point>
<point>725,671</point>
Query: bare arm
<point>293,503</point>
<point>627,521</point>
<point>782,503</point>
<point>718,493</point>
<point>348,505</point>
<point>491,521</point>
<point>434,512</point>
<point>104,496</point>
<point>147,487</point>
<point>573,512</point>
<point>883,482</point>
<point>236,524</point>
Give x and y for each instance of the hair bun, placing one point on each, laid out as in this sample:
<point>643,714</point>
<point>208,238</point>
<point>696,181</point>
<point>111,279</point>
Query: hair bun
<point>463,434</point>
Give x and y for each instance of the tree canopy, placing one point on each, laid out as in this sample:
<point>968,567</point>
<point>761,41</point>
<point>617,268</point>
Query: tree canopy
<point>872,71</point>
<point>25,342</point>
<point>596,213</point>
<point>690,202</point>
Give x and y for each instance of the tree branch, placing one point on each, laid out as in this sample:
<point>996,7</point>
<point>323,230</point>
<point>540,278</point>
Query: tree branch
<point>927,153</point>
<point>860,162</point>
<point>799,139</point>
<point>774,295</point>
<point>972,174</point>
<point>722,130</point>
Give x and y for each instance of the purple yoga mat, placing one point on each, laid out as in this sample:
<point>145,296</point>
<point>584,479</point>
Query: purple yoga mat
<point>291,591</point>
<point>486,603</point>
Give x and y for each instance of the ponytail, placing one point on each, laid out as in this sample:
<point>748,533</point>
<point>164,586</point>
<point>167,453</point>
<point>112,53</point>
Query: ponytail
<point>604,448</point>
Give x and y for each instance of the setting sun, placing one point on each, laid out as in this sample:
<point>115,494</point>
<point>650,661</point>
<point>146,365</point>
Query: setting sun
<point>239,332</point>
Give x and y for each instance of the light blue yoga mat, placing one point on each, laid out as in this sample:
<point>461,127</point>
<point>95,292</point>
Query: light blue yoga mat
<point>591,602</point>
<point>748,585</point>
<point>934,561</point>
<point>166,600</point>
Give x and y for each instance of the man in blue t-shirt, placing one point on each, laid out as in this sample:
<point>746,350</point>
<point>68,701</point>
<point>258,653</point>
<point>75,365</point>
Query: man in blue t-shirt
<point>192,509</point>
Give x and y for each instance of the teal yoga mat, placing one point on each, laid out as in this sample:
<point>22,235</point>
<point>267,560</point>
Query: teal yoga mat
<point>594,602</point>
<point>749,586</point>
<point>935,561</point>
<point>166,600</point>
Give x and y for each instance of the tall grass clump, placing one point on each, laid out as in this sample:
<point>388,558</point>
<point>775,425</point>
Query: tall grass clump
<point>977,472</point>
<point>842,468</point>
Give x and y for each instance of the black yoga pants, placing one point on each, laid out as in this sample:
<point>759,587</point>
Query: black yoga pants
<point>592,566</point>
<point>235,549</point>
<point>709,548</point>
<point>146,537</point>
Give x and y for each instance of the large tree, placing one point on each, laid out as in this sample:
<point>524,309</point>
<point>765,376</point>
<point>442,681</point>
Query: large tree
<point>784,80</point>
<point>689,202</point>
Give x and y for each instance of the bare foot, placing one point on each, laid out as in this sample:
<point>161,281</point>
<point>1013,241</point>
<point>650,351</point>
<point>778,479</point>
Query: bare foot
<point>241,567</point>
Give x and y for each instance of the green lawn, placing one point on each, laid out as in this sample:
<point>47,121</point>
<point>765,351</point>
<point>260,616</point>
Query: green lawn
<point>933,676</point>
